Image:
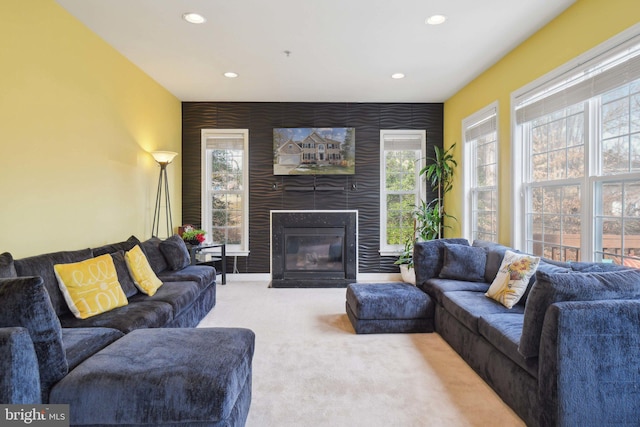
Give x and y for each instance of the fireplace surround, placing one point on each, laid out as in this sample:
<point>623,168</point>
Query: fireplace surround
<point>314,248</point>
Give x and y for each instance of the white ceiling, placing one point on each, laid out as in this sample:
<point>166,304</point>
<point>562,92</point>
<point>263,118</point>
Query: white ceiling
<point>341,50</point>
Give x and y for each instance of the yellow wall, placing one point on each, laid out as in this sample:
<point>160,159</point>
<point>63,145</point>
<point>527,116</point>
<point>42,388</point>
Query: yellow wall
<point>584,25</point>
<point>76,122</point>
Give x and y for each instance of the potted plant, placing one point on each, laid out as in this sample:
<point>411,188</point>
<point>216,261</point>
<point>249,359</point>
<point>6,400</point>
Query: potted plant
<point>439,173</point>
<point>193,236</point>
<point>430,216</point>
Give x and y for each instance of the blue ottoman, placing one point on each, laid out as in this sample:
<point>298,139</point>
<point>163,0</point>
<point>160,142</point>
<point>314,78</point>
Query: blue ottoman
<point>379,308</point>
<point>164,377</point>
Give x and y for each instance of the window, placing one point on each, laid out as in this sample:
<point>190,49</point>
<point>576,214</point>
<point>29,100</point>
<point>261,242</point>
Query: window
<point>225,185</point>
<point>402,155</point>
<point>481,174</point>
<point>579,136</point>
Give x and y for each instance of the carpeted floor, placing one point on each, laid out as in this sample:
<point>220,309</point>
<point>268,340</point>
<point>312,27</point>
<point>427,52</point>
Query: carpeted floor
<point>311,369</point>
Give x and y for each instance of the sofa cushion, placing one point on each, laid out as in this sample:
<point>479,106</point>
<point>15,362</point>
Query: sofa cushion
<point>20,380</point>
<point>139,313</point>
<point>24,302</point>
<point>203,275</point>
<point>468,307</point>
<point>151,249</point>
<point>42,265</point>
<point>175,252</point>
<point>549,266</point>
<point>124,277</point>
<point>125,246</point>
<point>495,253</point>
<point>141,271</point>
<point>596,267</point>
<point>180,295</point>
<point>81,343</point>
<point>428,258</point>
<point>7,267</point>
<point>162,377</point>
<point>91,286</point>
<point>556,287</point>
<point>512,279</point>
<point>463,262</point>
<point>503,330</point>
<point>437,287</point>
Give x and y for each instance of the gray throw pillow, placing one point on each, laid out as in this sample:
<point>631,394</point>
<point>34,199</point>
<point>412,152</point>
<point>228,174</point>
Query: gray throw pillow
<point>125,246</point>
<point>151,249</point>
<point>463,262</point>
<point>558,287</point>
<point>428,258</point>
<point>175,252</point>
<point>124,277</point>
<point>7,268</point>
<point>24,302</point>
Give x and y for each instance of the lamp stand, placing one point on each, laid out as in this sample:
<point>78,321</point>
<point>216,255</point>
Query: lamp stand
<point>162,182</point>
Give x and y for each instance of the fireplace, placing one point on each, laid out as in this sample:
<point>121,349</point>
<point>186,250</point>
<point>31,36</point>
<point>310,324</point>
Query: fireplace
<point>313,249</point>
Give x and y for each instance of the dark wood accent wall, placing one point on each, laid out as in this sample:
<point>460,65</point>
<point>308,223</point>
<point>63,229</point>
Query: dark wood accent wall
<point>362,190</point>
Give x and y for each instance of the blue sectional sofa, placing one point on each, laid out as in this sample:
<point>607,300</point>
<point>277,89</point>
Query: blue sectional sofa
<point>567,354</point>
<point>144,357</point>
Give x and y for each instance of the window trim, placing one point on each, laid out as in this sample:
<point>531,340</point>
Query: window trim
<point>394,250</point>
<point>469,163</point>
<point>231,250</point>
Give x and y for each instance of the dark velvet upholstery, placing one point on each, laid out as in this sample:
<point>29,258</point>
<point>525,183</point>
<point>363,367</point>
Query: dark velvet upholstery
<point>548,267</point>
<point>125,246</point>
<point>209,369</point>
<point>463,262</point>
<point>24,302</point>
<point>175,252</point>
<point>469,306</point>
<point>20,379</point>
<point>7,268</point>
<point>503,330</point>
<point>596,267</point>
<point>190,318</point>
<point>593,350</point>
<point>495,254</point>
<point>151,249</point>
<point>124,277</point>
<point>438,287</point>
<point>81,343</point>
<point>428,258</point>
<point>204,275</point>
<point>145,313</point>
<point>180,295</point>
<point>388,308</point>
<point>558,287</point>
<point>42,265</point>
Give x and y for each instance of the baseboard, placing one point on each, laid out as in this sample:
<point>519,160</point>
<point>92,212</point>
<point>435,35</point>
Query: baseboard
<point>266,277</point>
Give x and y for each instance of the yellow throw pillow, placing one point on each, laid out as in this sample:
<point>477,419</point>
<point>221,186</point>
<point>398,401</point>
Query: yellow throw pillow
<point>513,278</point>
<point>90,287</point>
<point>142,273</point>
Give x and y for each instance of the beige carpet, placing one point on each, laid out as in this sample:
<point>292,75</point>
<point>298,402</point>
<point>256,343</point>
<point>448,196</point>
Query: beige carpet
<point>311,369</point>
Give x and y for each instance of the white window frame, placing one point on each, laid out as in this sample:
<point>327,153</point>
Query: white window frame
<point>520,162</point>
<point>485,118</point>
<point>390,134</point>
<point>206,134</point>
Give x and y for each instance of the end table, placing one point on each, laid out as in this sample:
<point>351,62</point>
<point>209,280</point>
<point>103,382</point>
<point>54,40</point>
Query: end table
<point>194,251</point>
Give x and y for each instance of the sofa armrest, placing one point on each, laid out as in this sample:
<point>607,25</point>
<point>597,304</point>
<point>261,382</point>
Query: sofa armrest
<point>20,379</point>
<point>589,367</point>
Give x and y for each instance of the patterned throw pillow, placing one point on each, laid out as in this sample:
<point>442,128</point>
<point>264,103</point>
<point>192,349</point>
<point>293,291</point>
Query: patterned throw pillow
<point>513,278</point>
<point>90,287</point>
<point>142,273</point>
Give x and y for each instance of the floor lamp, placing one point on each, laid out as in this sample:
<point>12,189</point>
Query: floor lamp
<point>163,158</point>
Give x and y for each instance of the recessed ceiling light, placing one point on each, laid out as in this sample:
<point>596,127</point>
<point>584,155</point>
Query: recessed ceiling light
<point>231,74</point>
<point>397,76</point>
<point>436,19</point>
<point>194,18</point>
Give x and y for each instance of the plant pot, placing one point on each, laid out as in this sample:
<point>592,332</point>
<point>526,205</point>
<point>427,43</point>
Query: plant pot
<point>192,242</point>
<point>408,274</point>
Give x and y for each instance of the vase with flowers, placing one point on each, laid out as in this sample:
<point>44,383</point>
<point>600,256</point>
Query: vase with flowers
<point>193,236</point>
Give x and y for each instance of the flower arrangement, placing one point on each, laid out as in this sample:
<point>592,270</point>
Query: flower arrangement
<point>193,235</point>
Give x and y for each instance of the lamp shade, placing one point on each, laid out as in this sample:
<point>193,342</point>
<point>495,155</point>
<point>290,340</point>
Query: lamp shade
<point>164,157</point>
